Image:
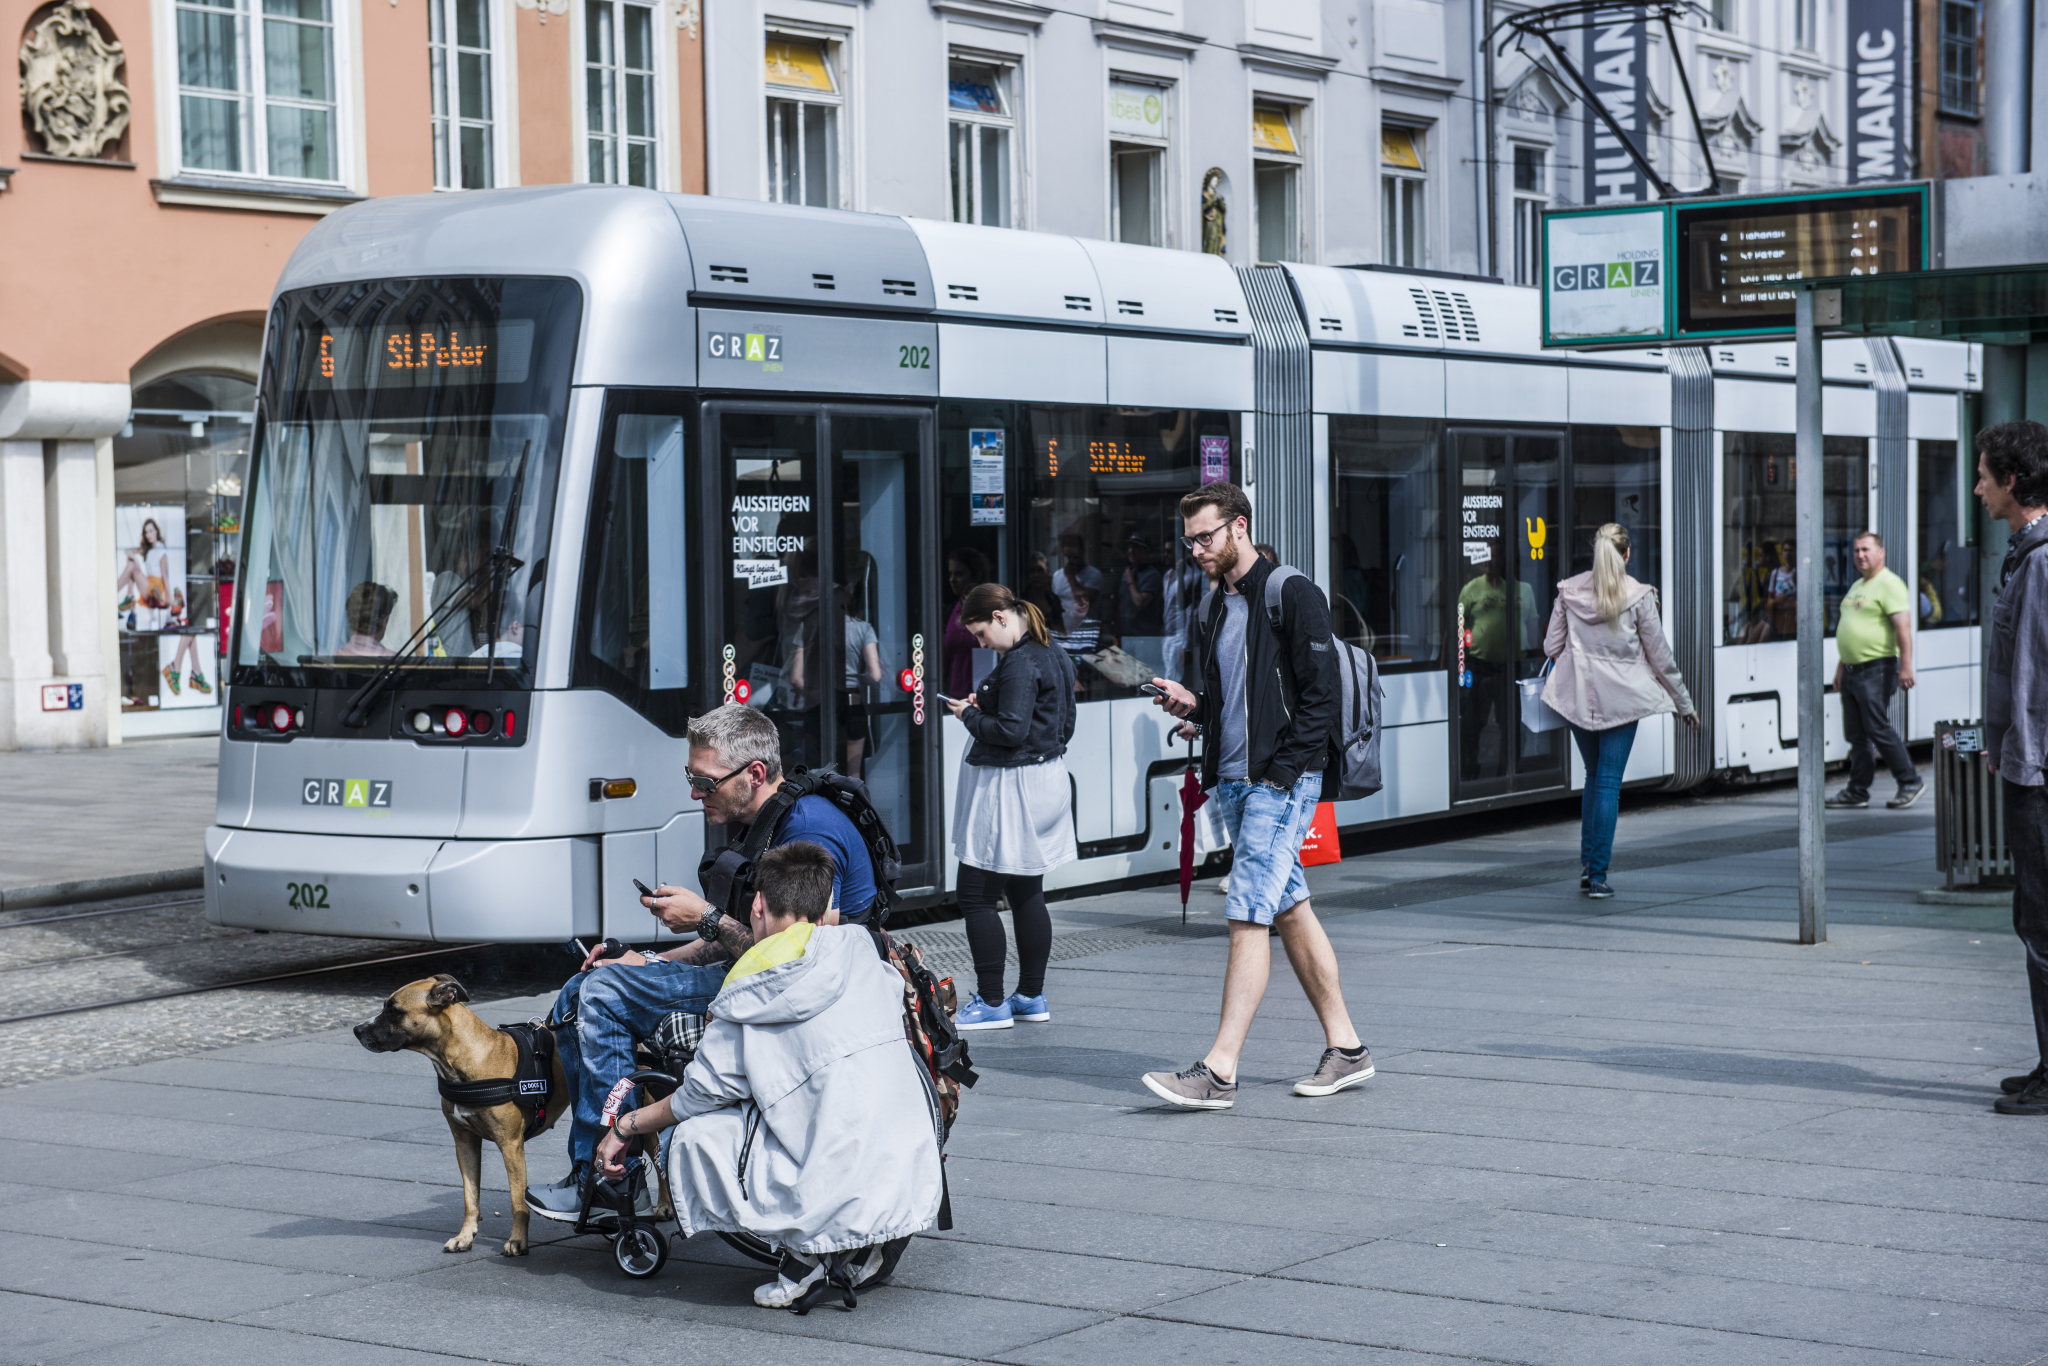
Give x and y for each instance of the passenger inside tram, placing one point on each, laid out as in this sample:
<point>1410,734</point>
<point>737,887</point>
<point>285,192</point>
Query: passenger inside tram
<point>369,616</point>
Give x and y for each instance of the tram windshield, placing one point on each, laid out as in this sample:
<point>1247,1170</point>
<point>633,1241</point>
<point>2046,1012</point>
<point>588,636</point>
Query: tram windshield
<point>404,481</point>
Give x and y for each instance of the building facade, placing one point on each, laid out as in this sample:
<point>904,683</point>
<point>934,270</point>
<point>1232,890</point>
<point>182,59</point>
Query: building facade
<point>170,153</point>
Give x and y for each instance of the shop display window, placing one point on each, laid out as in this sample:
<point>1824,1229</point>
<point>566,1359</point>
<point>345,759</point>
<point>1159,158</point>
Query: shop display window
<point>178,472</point>
<point>1760,531</point>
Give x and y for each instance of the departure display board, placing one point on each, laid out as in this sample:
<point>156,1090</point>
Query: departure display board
<point>1740,260</point>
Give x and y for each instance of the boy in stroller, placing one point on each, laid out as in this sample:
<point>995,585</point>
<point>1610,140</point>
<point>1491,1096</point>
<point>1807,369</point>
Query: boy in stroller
<point>806,1119</point>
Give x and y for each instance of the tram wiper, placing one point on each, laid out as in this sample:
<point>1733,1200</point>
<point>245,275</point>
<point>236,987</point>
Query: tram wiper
<point>501,566</point>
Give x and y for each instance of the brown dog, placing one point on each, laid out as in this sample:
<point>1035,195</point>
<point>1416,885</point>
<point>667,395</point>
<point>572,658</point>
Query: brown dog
<point>428,1016</point>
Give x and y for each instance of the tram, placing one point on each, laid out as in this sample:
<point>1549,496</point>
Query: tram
<point>541,473</point>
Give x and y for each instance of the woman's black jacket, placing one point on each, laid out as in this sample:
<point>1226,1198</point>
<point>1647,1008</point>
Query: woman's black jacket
<point>1024,709</point>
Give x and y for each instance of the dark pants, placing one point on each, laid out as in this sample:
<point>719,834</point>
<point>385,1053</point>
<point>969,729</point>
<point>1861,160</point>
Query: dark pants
<point>2026,833</point>
<point>1867,691</point>
<point>978,891</point>
<point>1606,754</point>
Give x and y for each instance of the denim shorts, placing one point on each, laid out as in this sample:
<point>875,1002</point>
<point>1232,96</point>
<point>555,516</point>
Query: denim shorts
<point>1267,827</point>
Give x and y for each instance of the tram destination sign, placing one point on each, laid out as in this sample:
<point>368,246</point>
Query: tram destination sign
<point>1717,269</point>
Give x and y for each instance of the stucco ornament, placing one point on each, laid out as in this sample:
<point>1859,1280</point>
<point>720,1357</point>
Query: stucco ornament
<point>546,7</point>
<point>688,14</point>
<point>68,87</point>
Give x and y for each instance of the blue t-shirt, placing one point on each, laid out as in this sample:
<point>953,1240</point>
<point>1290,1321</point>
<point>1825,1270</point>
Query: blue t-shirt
<point>816,819</point>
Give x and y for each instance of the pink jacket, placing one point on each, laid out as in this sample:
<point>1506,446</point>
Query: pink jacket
<point>1608,676</point>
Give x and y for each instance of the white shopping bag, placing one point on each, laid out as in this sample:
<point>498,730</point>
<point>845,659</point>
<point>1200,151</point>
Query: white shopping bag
<point>1537,715</point>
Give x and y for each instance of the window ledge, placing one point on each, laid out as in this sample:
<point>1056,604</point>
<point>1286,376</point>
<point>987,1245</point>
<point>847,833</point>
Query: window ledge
<point>1117,34</point>
<point>78,161</point>
<point>263,196</point>
<point>1418,81</point>
<point>1009,13</point>
<point>1286,59</point>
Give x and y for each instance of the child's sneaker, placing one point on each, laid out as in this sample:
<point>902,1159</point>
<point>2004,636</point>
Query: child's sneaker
<point>975,1013</point>
<point>1029,1008</point>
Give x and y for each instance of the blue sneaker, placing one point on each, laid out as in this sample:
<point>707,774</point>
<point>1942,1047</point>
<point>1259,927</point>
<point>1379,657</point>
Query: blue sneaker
<point>976,1013</point>
<point>1029,1008</point>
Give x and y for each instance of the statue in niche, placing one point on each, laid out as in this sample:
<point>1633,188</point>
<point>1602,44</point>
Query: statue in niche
<point>69,88</point>
<point>1213,210</point>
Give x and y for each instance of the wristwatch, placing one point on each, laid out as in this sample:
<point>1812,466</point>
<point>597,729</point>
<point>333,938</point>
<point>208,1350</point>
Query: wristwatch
<point>707,928</point>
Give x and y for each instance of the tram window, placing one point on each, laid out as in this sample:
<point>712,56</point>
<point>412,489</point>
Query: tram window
<point>1760,531</point>
<point>973,523</point>
<point>634,635</point>
<point>1947,582</point>
<point>1387,523</point>
<point>1616,477</point>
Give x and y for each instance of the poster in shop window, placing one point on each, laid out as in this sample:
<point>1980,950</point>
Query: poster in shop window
<point>985,490</point>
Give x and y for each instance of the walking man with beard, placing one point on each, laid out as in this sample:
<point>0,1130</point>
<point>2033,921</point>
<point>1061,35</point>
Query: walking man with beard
<point>1267,709</point>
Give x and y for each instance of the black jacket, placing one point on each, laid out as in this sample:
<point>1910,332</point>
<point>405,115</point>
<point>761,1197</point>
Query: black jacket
<point>1292,691</point>
<point>1024,709</point>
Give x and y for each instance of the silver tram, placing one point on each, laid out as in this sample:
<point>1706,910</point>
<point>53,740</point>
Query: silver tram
<point>540,473</point>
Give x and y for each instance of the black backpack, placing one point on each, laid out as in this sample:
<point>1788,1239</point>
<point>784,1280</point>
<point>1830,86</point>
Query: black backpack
<point>727,874</point>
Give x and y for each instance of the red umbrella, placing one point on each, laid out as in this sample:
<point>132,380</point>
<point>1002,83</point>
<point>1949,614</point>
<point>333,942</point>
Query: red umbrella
<point>1191,799</point>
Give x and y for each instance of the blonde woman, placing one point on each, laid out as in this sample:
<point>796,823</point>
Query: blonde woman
<point>1614,667</point>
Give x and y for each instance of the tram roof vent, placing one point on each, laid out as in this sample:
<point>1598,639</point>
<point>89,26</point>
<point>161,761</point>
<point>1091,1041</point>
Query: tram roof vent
<point>1132,307</point>
<point>1425,315</point>
<point>729,275</point>
<point>1226,315</point>
<point>968,293</point>
<point>904,287</point>
<point>1329,324</point>
<point>751,253</point>
<point>1862,367</point>
<point>823,282</point>
<point>1081,303</point>
<point>1785,362</point>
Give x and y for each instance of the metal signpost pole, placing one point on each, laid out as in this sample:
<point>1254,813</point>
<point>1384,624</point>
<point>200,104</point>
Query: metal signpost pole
<point>1809,483</point>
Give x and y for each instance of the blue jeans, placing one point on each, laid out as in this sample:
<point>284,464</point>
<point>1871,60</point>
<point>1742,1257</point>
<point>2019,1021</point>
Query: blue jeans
<point>1266,828</point>
<point>614,1006</point>
<point>1606,755</point>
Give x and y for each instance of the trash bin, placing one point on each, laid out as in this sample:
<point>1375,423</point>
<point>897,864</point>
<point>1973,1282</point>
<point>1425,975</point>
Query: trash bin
<point>1969,809</point>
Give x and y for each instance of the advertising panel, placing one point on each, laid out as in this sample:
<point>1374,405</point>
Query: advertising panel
<point>1880,110</point>
<point>1617,65</point>
<point>1604,277</point>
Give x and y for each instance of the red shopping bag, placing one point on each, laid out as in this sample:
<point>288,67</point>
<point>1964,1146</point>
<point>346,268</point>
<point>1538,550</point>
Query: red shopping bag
<point>1321,844</point>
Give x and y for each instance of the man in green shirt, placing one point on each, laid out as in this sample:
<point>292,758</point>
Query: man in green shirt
<point>1874,642</point>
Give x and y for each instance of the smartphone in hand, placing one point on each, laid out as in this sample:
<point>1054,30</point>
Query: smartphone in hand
<point>1151,690</point>
<point>645,890</point>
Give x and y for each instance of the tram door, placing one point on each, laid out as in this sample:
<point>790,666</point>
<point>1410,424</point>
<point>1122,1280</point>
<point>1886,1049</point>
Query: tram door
<point>1506,565</point>
<point>826,615</point>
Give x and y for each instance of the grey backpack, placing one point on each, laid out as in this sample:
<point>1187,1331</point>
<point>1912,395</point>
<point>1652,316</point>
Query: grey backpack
<point>1355,768</point>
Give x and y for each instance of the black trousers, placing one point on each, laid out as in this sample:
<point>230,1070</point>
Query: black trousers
<point>2026,832</point>
<point>979,889</point>
<point>1867,692</point>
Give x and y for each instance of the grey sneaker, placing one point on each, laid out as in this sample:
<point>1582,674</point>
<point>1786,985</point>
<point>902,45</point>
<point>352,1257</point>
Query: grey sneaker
<point>1907,796</point>
<point>562,1200</point>
<point>1195,1089</point>
<point>1335,1072</point>
<point>1845,800</point>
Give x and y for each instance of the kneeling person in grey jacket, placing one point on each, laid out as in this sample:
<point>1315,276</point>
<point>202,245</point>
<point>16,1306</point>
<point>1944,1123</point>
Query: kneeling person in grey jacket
<point>805,1120</point>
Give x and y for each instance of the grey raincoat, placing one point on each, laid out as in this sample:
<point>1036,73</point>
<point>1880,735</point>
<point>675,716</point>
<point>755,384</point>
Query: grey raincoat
<point>805,1119</point>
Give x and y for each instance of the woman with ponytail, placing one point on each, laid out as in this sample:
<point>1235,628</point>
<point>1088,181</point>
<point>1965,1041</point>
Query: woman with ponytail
<point>1013,817</point>
<point>1613,668</point>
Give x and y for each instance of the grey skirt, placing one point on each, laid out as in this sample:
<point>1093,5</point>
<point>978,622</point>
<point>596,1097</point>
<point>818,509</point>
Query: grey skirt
<point>1014,820</point>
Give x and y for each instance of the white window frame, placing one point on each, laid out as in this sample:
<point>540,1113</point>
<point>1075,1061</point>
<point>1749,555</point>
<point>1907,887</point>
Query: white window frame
<point>497,51</point>
<point>1525,215</point>
<point>342,27</point>
<point>836,52</point>
<point>660,140</point>
<point>1164,180</point>
<point>1297,127</point>
<point>1009,70</point>
<point>1424,191</point>
<point>1806,25</point>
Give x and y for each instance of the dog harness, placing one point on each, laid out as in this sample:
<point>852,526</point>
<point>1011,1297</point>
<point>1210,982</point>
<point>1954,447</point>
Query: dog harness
<point>531,1086</point>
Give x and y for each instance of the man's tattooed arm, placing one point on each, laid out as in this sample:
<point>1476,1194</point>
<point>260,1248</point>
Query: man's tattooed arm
<point>734,938</point>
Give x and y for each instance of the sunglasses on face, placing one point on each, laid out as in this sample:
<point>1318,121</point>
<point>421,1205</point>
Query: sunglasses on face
<point>704,786</point>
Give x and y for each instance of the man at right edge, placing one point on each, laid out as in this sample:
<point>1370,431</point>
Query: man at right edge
<point>1268,708</point>
<point>2012,482</point>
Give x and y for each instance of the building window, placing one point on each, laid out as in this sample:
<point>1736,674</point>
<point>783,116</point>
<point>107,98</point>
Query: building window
<point>1721,15</point>
<point>1532,185</point>
<point>256,90</point>
<point>459,68</point>
<point>618,92</point>
<point>1404,190</point>
<point>1959,56</point>
<point>1806,25</point>
<point>982,127</point>
<point>1140,130</point>
<point>804,100</point>
<point>1276,181</point>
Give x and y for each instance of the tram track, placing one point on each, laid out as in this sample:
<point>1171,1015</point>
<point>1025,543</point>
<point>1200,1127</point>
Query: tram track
<point>240,982</point>
<point>106,910</point>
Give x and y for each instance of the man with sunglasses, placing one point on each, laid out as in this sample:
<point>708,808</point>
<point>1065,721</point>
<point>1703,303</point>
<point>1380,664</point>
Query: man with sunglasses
<point>1266,710</point>
<point>735,766</point>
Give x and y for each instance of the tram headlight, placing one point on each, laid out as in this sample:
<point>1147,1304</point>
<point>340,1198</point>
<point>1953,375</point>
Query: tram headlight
<point>455,722</point>
<point>422,723</point>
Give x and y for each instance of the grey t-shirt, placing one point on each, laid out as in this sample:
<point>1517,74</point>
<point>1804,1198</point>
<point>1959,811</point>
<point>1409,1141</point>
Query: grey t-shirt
<point>1230,742</point>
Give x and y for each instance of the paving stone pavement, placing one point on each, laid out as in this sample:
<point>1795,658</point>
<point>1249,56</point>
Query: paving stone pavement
<point>140,807</point>
<point>1648,1129</point>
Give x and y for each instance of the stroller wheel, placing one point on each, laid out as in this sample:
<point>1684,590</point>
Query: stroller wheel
<point>746,1244</point>
<point>642,1252</point>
